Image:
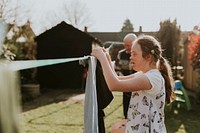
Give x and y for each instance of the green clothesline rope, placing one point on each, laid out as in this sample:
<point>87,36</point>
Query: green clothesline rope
<point>27,64</point>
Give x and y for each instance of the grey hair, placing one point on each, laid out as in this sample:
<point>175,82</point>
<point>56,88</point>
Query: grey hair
<point>130,35</point>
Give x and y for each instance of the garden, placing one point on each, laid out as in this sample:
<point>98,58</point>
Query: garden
<point>57,111</point>
<point>62,111</point>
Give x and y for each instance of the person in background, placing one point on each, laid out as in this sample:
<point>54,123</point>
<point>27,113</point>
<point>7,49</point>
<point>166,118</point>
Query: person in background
<point>151,86</point>
<point>123,65</point>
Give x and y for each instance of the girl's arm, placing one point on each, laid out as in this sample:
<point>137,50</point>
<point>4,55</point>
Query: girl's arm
<point>109,60</point>
<point>113,69</point>
<point>129,76</point>
<point>139,82</point>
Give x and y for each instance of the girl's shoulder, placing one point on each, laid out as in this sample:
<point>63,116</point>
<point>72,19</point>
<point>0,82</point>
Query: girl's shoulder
<point>155,79</point>
<point>154,72</point>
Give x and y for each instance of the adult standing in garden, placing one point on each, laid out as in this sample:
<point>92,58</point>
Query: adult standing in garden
<point>123,65</point>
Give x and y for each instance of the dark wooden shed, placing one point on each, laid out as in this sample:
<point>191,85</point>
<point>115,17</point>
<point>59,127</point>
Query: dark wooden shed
<point>62,41</point>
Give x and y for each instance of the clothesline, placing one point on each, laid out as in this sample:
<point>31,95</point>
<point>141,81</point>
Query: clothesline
<point>90,105</point>
<point>26,64</point>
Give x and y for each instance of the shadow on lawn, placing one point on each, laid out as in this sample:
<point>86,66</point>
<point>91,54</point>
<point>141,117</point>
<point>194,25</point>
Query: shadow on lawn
<point>49,96</point>
<point>179,120</point>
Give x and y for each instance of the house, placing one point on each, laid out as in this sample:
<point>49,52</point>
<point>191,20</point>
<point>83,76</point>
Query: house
<point>62,41</point>
<point>116,36</point>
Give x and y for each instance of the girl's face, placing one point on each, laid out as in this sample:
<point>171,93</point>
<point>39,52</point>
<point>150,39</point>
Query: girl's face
<point>136,58</point>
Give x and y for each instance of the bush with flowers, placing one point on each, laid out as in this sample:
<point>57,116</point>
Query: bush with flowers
<point>194,51</point>
<point>194,48</point>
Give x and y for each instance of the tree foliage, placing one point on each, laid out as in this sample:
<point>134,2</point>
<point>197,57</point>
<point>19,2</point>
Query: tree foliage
<point>194,48</point>
<point>20,41</point>
<point>169,35</point>
<point>194,51</point>
<point>3,4</point>
<point>127,26</point>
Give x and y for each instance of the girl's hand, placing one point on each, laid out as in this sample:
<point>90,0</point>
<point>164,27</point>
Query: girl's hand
<point>98,53</point>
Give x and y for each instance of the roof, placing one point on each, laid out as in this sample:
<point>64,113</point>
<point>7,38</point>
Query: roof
<point>115,36</point>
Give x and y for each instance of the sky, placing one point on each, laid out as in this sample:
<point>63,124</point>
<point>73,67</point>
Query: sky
<point>109,15</point>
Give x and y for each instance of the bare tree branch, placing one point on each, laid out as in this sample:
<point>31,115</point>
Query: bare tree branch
<point>77,14</point>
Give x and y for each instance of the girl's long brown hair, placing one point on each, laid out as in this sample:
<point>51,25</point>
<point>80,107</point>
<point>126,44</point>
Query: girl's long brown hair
<point>150,45</point>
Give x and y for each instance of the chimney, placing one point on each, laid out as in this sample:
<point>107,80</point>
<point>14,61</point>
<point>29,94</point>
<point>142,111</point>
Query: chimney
<point>85,29</point>
<point>140,29</point>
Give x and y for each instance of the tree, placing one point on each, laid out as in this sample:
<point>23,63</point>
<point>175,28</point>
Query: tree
<point>78,14</point>
<point>169,35</point>
<point>5,53</point>
<point>20,41</point>
<point>3,4</point>
<point>127,26</point>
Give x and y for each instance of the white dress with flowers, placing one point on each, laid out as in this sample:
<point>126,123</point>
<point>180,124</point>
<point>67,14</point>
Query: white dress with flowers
<point>146,109</point>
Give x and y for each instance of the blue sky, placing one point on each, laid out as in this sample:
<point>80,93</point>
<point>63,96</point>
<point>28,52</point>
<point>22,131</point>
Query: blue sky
<point>109,15</point>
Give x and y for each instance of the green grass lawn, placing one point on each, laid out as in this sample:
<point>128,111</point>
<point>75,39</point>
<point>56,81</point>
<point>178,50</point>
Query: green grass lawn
<point>63,117</point>
<point>182,121</point>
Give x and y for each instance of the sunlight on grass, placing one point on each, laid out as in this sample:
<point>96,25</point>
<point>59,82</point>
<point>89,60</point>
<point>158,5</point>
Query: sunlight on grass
<point>175,111</point>
<point>181,129</point>
<point>64,117</point>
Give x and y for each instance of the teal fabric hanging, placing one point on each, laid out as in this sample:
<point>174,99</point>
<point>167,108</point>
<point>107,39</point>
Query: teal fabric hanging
<point>90,106</point>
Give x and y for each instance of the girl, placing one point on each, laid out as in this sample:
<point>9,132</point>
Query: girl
<point>151,86</point>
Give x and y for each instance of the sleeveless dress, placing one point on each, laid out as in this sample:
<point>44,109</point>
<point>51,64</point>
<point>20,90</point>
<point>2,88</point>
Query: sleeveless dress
<point>146,109</point>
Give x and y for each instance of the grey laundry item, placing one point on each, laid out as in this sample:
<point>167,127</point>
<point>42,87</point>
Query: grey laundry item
<point>9,100</point>
<point>90,106</point>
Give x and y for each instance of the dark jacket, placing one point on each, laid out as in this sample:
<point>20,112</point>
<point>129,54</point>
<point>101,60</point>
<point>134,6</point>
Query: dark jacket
<point>104,95</point>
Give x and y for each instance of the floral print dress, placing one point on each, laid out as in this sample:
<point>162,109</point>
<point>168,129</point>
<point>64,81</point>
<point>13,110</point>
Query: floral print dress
<point>146,109</point>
